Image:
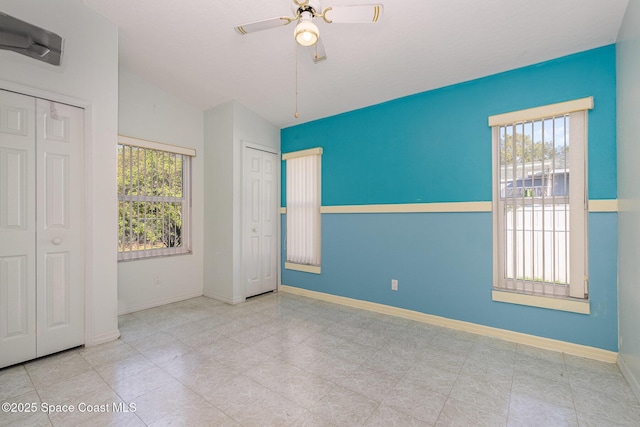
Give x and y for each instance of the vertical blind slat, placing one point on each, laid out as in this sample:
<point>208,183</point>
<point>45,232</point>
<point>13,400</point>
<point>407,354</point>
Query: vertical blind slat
<point>303,210</point>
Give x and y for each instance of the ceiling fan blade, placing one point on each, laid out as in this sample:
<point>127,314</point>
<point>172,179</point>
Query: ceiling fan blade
<point>33,50</point>
<point>27,39</point>
<point>318,54</point>
<point>361,14</point>
<point>20,41</point>
<point>265,24</point>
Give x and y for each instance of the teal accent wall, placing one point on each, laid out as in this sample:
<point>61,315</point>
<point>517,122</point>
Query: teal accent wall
<point>436,147</point>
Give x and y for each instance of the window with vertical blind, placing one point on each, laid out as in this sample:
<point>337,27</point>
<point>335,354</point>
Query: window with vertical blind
<point>154,199</point>
<point>540,200</point>
<point>303,193</point>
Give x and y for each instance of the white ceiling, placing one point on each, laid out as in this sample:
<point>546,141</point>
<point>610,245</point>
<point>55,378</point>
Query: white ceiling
<point>189,48</point>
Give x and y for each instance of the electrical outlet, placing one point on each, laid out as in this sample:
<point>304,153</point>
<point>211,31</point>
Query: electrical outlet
<point>156,279</point>
<point>394,284</point>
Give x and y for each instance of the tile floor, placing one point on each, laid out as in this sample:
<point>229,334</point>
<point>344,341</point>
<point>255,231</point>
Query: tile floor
<point>281,359</point>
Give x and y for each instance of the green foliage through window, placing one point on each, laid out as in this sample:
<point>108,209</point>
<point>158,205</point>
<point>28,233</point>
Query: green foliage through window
<point>151,199</point>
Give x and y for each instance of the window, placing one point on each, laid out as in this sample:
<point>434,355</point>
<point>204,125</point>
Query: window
<point>303,210</point>
<point>153,199</point>
<point>540,201</point>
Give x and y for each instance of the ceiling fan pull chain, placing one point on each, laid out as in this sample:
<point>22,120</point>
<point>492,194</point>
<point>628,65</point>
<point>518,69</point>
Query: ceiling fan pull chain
<point>296,115</point>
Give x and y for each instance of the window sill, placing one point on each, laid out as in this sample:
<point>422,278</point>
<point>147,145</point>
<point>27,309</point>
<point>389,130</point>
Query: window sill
<point>562,304</point>
<point>152,256</point>
<point>315,269</point>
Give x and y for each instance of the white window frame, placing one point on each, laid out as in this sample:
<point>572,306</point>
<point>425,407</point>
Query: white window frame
<point>146,252</point>
<point>521,291</point>
<point>303,218</point>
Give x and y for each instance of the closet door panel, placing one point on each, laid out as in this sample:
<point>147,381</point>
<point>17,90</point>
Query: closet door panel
<point>60,195</point>
<point>17,228</point>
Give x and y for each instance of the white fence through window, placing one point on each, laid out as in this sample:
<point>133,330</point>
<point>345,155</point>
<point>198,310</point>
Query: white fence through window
<point>534,193</point>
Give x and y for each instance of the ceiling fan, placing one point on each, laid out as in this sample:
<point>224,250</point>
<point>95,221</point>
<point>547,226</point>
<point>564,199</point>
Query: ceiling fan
<point>306,32</point>
<point>26,39</point>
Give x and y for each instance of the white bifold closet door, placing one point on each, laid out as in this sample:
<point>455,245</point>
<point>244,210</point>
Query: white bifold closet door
<point>260,221</point>
<point>42,227</point>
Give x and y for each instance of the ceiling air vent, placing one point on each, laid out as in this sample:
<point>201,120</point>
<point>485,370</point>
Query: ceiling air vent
<point>26,39</point>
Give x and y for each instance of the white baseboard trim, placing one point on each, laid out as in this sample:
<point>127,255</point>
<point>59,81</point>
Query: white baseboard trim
<point>103,338</point>
<point>629,376</point>
<point>232,301</point>
<point>517,337</point>
<point>156,303</point>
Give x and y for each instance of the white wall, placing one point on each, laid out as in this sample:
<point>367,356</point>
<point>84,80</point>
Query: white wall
<point>147,112</point>
<point>218,196</point>
<point>89,75</point>
<point>227,128</point>
<point>628,109</point>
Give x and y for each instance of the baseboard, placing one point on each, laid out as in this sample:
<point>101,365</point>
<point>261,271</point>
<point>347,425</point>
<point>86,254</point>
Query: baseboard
<point>103,338</point>
<point>222,298</point>
<point>156,303</point>
<point>629,376</point>
<point>517,337</point>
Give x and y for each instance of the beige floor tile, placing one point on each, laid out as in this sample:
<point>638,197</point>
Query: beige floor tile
<point>286,360</point>
<point>372,384</point>
<point>344,407</point>
<point>136,385</point>
<point>416,401</point>
<point>484,392</point>
<point>538,388</point>
<point>56,368</point>
<point>161,402</point>
<point>107,353</point>
<point>23,411</point>
<point>303,388</point>
<point>433,378</point>
<point>113,418</point>
<point>385,416</point>
<point>198,413</point>
<point>528,411</point>
<point>14,381</point>
<point>118,370</point>
<point>457,413</point>
<point>208,379</point>
<point>185,363</point>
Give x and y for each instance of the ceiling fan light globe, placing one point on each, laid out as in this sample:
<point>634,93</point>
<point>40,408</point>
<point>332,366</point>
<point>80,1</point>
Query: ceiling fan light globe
<point>306,33</point>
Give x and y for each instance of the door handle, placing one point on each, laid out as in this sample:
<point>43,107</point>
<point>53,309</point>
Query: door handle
<point>254,229</point>
<point>56,241</point>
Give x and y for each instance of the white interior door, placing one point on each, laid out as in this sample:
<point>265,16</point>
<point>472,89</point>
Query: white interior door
<point>260,221</point>
<point>60,226</point>
<point>41,227</point>
<point>17,228</point>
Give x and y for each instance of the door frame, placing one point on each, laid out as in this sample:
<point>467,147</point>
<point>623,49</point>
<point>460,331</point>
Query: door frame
<point>252,145</point>
<point>88,173</point>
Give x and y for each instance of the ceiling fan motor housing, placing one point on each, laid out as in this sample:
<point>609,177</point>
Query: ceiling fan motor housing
<point>312,6</point>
